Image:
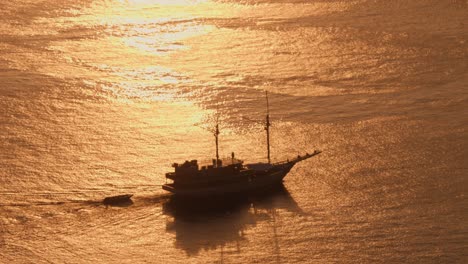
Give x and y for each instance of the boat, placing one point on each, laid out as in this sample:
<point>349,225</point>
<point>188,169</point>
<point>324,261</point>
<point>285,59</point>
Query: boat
<point>117,199</point>
<point>231,176</point>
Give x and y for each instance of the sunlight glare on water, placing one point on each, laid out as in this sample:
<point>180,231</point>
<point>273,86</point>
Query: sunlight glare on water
<point>100,97</point>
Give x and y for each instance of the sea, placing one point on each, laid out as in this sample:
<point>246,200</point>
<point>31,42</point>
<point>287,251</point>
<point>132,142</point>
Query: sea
<point>99,98</point>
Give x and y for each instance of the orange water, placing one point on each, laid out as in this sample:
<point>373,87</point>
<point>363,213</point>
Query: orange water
<point>99,98</point>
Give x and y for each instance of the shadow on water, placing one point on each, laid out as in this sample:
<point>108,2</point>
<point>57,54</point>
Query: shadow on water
<point>119,204</point>
<point>211,224</point>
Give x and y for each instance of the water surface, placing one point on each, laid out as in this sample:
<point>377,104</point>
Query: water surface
<point>99,98</point>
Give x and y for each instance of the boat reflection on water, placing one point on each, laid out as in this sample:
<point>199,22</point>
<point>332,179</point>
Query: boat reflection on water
<point>205,224</point>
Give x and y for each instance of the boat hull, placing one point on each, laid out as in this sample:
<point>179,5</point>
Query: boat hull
<point>257,177</point>
<point>259,181</point>
<point>118,199</point>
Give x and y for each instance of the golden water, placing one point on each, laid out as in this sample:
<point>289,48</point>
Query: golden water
<point>99,97</point>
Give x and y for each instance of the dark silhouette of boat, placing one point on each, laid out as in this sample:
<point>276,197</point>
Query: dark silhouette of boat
<point>118,199</point>
<point>229,177</point>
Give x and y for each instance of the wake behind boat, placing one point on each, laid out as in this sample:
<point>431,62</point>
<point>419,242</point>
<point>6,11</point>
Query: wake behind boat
<point>232,177</point>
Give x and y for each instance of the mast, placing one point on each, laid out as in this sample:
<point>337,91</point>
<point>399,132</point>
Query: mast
<point>216,133</point>
<point>267,126</point>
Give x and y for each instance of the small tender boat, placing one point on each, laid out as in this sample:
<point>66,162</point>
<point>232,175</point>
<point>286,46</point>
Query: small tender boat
<point>117,199</point>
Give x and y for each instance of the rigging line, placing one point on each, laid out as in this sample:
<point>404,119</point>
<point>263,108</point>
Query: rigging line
<point>267,127</point>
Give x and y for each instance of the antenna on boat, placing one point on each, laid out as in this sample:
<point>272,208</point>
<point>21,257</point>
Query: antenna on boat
<point>267,126</point>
